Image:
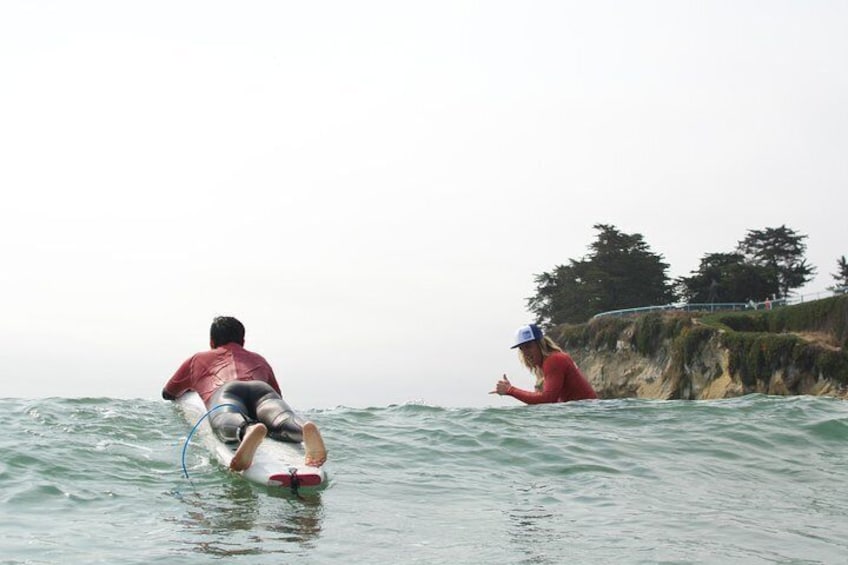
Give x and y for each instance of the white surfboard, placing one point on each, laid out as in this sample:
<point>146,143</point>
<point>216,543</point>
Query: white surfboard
<point>275,464</point>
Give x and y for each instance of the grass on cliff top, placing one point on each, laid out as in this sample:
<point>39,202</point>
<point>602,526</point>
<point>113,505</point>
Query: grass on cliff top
<point>827,317</point>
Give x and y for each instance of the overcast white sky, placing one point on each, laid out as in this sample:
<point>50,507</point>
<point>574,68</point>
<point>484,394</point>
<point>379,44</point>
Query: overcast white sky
<point>371,186</point>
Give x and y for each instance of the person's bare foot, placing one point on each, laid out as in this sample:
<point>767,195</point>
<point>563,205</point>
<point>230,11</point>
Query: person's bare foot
<point>253,436</point>
<point>313,443</point>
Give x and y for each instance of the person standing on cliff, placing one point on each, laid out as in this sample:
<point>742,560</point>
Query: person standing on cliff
<point>557,377</point>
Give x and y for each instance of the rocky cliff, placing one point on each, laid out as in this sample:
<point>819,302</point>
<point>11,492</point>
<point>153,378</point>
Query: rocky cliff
<point>792,350</point>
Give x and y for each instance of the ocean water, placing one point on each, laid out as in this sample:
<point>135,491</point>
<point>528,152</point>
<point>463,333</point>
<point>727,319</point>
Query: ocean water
<point>751,480</point>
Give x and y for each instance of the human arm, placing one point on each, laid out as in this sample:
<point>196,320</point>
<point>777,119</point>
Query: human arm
<point>550,391</point>
<point>180,383</point>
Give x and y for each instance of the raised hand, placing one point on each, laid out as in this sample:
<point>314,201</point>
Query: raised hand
<point>502,386</point>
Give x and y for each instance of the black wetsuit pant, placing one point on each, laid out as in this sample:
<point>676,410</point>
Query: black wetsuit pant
<point>248,402</point>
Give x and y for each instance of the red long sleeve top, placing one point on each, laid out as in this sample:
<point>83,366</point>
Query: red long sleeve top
<point>206,371</point>
<point>563,382</point>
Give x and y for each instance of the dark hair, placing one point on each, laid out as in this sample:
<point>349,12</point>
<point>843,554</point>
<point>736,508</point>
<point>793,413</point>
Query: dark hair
<point>226,329</point>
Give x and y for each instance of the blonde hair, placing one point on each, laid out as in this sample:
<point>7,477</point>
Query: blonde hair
<point>546,346</point>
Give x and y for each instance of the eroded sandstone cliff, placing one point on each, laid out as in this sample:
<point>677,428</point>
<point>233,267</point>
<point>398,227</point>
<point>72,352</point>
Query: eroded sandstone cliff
<point>791,351</point>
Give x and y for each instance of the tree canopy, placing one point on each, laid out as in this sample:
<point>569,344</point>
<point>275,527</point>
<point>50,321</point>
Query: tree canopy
<point>619,272</point>
<point>727,277</point>
<point>781,250</point>
<point>766,263</point>
<point>841,276</point>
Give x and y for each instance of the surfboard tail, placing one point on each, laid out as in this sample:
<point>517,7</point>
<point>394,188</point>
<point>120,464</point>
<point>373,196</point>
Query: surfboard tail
<point>300,479</point>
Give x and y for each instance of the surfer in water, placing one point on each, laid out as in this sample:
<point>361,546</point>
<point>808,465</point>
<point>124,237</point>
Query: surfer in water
<point>229,374</point>
<point>557,377</point>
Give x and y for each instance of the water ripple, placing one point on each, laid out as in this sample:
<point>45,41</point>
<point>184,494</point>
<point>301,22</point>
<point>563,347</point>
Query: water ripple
<point>756,479</point>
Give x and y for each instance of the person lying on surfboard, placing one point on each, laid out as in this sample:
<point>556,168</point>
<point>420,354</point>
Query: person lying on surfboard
<point>229,374</point>
<point>557,377</point>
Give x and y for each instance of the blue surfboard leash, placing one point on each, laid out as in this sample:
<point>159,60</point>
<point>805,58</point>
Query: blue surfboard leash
<point>197,425</point>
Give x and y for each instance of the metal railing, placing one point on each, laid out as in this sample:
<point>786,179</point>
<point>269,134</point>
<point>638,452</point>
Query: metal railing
<point>725,306</point>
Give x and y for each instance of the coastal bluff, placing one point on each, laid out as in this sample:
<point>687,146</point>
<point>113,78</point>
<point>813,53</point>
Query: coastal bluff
<point>791,350</point>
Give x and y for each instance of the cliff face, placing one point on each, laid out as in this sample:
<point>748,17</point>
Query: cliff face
<point>685,356</point>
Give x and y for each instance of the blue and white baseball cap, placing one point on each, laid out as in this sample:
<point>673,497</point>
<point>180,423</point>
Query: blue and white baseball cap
<point>526,334</point>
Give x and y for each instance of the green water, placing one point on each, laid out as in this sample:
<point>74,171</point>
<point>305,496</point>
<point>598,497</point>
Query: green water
<point>750,480</point>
